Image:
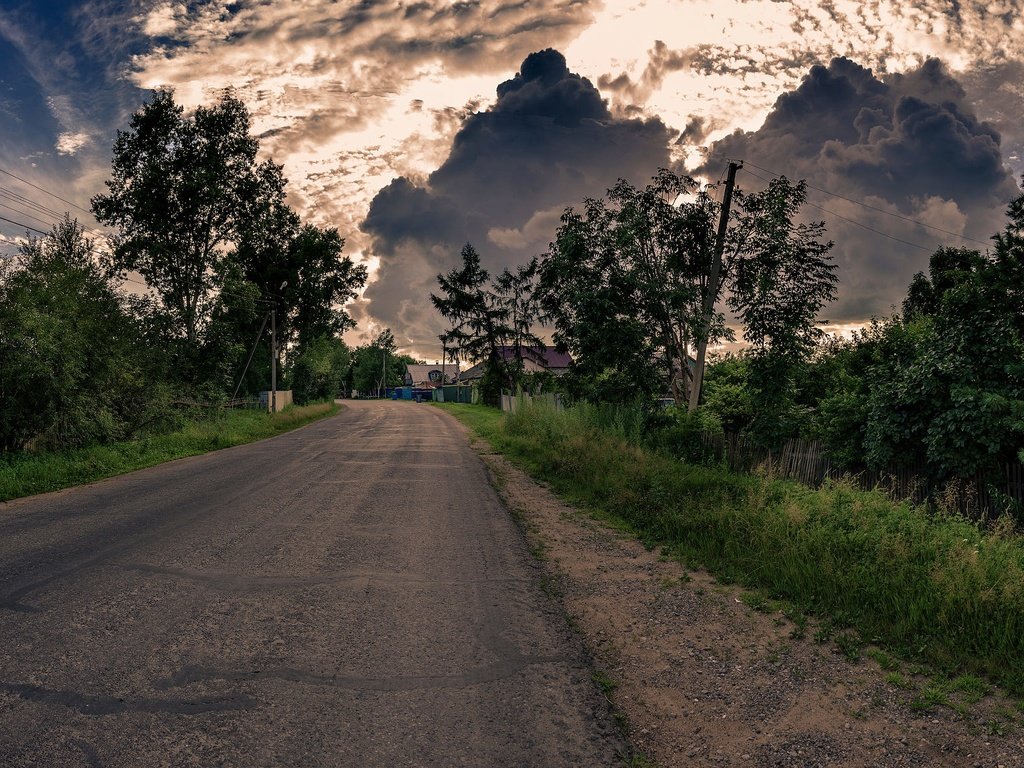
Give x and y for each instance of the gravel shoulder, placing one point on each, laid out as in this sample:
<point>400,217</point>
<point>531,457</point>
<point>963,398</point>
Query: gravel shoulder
<point>703,679</point>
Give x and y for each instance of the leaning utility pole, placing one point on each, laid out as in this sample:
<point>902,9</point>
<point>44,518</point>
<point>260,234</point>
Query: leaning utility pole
<point>712,294</point>
<point>273,360</point>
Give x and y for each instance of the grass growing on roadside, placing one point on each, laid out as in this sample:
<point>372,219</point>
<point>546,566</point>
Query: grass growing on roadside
<point>29,473</point>
<point>931,588</point>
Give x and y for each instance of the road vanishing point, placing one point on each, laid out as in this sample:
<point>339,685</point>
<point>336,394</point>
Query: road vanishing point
<point>352,593</point>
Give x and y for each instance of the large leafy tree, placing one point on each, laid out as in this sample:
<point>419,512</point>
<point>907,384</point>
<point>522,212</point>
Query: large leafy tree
<point>781,280</point>
<point>296,269</point>
<point>947,385</point>
<point>378,364</point>
<point>322,283</point>
<point>177,196</point>
<point>319,371</point>
<point>624,283</point>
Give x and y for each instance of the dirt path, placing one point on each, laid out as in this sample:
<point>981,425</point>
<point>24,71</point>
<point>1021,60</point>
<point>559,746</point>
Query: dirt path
<point>705,680</point>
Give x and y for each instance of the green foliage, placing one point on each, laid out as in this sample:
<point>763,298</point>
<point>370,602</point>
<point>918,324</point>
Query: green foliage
<point>177,195</point>
<point>208,227</point>
<point>624,282</point>
<point>378,364</point>
<point>488,320</point>
<point>946,382</point>
<point>782,281</point>
<point>936,589</point>
<point>319,371</point>
<point>726,393</point>
<point>683,433</point>
<point>74,363</point>
<point>939,388</point>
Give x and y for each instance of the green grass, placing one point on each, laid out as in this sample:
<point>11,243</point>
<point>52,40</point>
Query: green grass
<point>29,473</point>
<point>936,590</point>
<point>605,683</point>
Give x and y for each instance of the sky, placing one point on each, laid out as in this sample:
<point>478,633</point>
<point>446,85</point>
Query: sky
<point>415,126</point>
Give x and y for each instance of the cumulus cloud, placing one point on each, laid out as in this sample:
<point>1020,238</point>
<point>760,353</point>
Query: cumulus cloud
<point>908,146</point>
<point>548,141</point>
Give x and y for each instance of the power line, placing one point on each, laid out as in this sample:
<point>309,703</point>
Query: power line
<point>875,208</point>
<point>853,221</point>
<point>25,214</point>
<point>45,191</point>
<point>22,200</point>
<point>26,226</point>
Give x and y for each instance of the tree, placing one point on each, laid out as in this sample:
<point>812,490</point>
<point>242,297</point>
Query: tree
<point>515,299</point>
<point>947,386</point>
<point>75,366</point>
<point>624,283</point>
<point>322,283</point>
<point>726,393</point>
<point>177,195</point>
<point>378,364</point>
<point>319,371</point>
<point>491,321</point>
<point>591,297</point>
<point>782,279</point>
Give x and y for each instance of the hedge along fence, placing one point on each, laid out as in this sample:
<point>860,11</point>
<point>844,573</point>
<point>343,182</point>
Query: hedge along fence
<point>932,587</point>
<point>985,496</point>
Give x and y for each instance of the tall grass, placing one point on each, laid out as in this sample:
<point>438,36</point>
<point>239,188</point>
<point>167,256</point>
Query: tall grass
<point>931,587</point>
<point>28,473</point>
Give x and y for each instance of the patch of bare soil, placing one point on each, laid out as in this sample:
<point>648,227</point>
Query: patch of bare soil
<point>702,679</point>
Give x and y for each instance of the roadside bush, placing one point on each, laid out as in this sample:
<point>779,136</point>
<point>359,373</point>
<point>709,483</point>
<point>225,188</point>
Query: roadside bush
<point>319,371</point>
<point>73,363</point>
<point>683,436</point>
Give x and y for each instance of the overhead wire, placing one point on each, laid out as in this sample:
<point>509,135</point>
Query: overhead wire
<point>25,214</point>
<point>873,207</point>
<point>45,191</point>
<point>847,219</point>
<point>25,226</point>
<point>22,200</point>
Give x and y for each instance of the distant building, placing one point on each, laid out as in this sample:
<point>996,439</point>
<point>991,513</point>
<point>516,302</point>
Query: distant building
<point>430,376</point>
<point>534,359</point>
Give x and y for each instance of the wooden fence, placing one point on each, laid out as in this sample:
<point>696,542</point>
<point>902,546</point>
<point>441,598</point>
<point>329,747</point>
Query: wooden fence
<point>984,496</point>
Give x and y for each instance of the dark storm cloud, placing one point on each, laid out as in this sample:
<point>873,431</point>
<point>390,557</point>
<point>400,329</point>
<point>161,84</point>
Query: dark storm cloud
<point>547,142</point>
<point>908,144</point>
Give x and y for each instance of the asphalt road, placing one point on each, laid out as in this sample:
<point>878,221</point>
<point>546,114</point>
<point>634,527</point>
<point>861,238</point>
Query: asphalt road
<point>349,594</point>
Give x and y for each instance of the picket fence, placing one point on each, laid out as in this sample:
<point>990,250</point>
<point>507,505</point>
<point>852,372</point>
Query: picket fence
<point>984,496</point>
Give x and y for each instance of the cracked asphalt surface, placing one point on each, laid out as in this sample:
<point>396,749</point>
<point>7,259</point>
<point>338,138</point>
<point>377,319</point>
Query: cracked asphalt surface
<point>349,594</point>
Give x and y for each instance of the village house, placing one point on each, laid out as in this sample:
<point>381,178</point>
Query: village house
<point>431,376</point>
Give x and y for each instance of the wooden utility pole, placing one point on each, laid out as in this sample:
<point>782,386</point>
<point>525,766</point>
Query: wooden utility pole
<point>273,360</point>
<point>712,294</point>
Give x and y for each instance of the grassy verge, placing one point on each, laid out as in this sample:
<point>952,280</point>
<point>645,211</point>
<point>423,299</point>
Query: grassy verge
<point>933,589</point>
<point>26,474</point>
